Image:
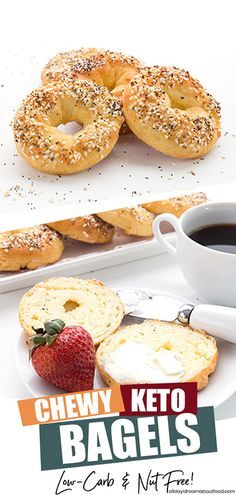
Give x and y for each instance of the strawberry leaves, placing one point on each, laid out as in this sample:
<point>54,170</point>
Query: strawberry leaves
<point>46,335</point>
<point>50,339</point>
<point>54,327</point>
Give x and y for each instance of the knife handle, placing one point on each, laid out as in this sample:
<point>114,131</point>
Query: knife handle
<point>219,321</point>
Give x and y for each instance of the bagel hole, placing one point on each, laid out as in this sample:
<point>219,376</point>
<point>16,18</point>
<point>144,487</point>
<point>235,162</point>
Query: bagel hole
<point>70,305</point>
<point>70,128</point>
<point>176,104</point>
<point>180,103</point>
<point>167,346</point>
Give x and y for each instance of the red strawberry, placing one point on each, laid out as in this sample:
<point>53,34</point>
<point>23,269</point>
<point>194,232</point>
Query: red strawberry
<point>64,356</point>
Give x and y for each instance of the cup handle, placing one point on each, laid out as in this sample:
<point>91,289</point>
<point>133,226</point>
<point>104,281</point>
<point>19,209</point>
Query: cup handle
<point>174,222</point>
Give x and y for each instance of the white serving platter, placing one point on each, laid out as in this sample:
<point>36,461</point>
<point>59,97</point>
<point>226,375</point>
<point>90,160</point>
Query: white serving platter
<point>79,257</point>
<point>133,173</point>
<point>161,273</point>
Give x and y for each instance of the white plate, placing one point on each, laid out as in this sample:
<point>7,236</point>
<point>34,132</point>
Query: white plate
<point>222,384</point>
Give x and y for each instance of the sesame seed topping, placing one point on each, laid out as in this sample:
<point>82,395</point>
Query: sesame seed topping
<point>86,227</point>
<point>40,114</point>
<point>170,102</point>
<point>35,238</point>
<point>88,61</point>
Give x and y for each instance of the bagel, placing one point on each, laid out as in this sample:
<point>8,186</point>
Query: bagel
<point>88,303</point>
<point>195,351</point>
<point>47,149</point>
<point>133,221</point>
<point>110,69</point>
<point>177,205</point>
<point>90,229</point>
<point>29,248</point>
<point>170,111</point>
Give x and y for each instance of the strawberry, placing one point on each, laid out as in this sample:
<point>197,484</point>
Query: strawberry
<point>64,356</point>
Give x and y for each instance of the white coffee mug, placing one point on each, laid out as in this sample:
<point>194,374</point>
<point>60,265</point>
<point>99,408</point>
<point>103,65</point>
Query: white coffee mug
<point>211,273</point>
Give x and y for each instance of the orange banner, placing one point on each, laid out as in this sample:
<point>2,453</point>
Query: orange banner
<point>62,407</point>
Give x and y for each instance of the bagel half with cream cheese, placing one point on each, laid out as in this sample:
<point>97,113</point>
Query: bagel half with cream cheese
<point>156,351</point>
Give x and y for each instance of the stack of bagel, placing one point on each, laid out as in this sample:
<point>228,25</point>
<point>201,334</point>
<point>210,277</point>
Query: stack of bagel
<point>44,244</point>
<point>110,93</point>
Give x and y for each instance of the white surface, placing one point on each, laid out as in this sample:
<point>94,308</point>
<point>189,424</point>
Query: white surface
<point>165,277</point>
<point>131,173</point>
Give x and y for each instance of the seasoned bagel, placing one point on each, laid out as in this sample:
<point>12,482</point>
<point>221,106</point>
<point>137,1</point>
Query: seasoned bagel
<point>177,205</point>
<point>134,221</point>
<point>46,148</point>
<point>88,303</point>
<point>29,248</point>
<point>110,69</point>
<point>169,110</point>
<point>196,352</point>
<point>91,229</point>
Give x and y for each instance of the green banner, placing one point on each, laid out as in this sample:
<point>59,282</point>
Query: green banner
<point>120,439</point>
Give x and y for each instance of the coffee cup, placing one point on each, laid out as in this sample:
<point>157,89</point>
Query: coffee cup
<point>210,272</point>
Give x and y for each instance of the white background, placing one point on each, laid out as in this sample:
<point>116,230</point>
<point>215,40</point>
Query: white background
<point>198,36</point>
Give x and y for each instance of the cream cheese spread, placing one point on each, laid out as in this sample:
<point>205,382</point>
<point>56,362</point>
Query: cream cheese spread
<point>137,362</point>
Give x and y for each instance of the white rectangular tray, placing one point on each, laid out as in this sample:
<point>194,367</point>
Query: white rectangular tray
<point>132,174</point>
<point>79,258</point>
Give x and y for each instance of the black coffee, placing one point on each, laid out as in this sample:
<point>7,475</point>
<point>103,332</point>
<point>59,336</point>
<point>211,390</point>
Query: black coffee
<point>219,237</point>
